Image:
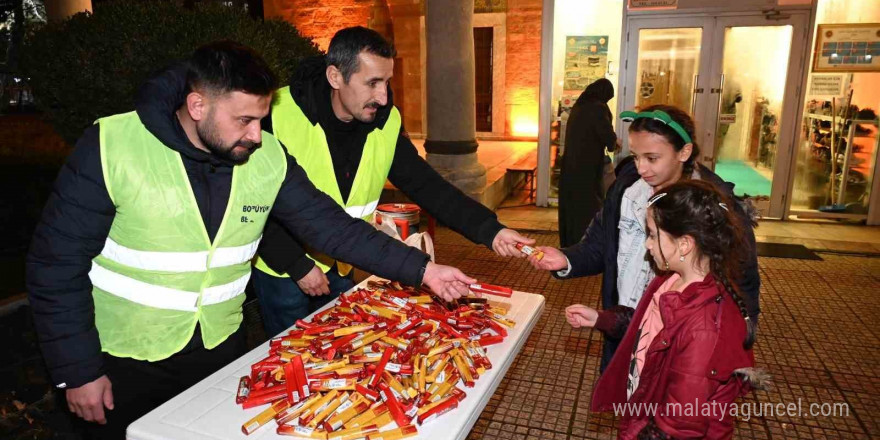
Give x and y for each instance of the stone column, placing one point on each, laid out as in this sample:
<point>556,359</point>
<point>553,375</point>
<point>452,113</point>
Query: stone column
<point>451,135</point>
<point>57,10</point>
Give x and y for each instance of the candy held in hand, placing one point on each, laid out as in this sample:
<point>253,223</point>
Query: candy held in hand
<point>491,289</point>
<point>375,364</point>
<point>528,250</point>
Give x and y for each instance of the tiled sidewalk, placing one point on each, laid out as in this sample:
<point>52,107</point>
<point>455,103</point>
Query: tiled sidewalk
<point>817,339</point>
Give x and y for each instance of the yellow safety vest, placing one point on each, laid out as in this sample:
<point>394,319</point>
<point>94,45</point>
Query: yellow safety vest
<point>159,274</point>
<point>308,144</point>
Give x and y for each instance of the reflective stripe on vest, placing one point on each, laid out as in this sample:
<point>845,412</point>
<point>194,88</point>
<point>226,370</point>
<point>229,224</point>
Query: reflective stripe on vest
<point>363,210</point>
<point>308,144</point>
<point>178,261</point>
<point>163,297</point>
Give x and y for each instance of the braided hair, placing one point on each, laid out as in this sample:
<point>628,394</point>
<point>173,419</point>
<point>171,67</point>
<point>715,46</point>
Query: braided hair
<point>657,127</point>
<point>696,208</point>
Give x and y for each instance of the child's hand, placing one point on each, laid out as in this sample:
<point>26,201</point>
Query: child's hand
<point>579,315</point>
<point>553,259</point>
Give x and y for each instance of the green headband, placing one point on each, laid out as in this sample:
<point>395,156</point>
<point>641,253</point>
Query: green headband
<point>658,115</point>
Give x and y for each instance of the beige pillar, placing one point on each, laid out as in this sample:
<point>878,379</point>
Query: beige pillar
<point>57,10</point>
<point>451,136</point>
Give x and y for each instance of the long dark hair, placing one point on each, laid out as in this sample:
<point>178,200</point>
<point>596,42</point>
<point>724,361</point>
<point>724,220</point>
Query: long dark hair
<point>696,208</point>
<point>658,127</point>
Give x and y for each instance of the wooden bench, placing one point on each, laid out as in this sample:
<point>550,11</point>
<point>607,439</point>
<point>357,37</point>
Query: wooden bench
<point>527,166</point>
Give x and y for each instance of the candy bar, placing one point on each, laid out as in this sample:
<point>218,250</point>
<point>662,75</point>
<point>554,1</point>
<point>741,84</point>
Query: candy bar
<point>370,415</point>
<point>441,407</point>
<point>244,388</point>
<point>343,415</point>
<point>291,413</point>
<point>320,416</point>
<point>262,418</point>
<point>301,432</point>
<point>528,250</point>
<point>353,433</point>
<point>491,289</point>
<point>395,434</point>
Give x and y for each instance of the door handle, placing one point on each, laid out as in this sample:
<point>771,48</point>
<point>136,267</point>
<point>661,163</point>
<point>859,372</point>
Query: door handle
<point>720,96</point>
<point>720,86</point>
<point>694,94</point>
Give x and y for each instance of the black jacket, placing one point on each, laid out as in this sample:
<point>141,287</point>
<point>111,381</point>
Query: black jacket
<point>597,251</point>
<point>409,172</point>
<point>588,133</point>
<point>79,213</point>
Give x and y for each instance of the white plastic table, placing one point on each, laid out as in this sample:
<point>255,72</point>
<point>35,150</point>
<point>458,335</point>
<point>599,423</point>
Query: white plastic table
<point>208,411</point>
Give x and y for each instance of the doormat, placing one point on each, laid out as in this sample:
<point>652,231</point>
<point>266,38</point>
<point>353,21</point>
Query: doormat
<point>782,250</point>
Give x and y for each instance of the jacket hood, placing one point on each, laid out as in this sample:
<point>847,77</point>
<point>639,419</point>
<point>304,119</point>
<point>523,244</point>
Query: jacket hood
<point>600,90</point>
<point>309,85</point>
<point>156,103</point>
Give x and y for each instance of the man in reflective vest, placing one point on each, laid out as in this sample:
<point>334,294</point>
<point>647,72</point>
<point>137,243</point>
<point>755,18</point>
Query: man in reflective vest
<point>338,120</point>
<point>137,270</point>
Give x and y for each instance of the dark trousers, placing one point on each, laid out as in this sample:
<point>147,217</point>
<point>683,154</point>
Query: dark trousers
<point>141,386</point>
<point>282,302</point>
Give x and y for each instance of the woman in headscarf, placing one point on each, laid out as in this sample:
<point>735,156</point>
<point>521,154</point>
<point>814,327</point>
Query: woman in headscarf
<point>588,133</point>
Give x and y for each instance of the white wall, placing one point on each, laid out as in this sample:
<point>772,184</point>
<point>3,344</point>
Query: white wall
<point>586,17</point>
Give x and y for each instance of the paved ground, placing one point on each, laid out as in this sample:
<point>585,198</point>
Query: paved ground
<point>817,339</point>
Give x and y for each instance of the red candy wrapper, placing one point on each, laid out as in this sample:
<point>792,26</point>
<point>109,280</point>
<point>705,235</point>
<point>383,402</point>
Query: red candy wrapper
<point>491,289</point>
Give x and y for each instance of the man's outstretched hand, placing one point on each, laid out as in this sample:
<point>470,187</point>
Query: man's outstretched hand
<point>504,243</point>
<point>446,281</point>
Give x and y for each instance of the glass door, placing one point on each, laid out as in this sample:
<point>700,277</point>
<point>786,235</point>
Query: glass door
<point>753,93</point>
<point>671,67</point>
<point>739,77</point>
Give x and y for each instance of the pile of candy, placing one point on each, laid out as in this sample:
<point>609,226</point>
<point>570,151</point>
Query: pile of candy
<point>380,355</point>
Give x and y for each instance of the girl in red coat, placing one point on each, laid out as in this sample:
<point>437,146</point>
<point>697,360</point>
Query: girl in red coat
<point>686,353</point>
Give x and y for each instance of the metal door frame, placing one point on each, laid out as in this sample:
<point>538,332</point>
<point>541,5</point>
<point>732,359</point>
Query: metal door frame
<point>786,148</point>
<point>705,104</point>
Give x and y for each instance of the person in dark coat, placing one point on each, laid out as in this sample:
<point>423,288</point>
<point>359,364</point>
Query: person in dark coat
<point>588,133</point>
<point>287,280</point>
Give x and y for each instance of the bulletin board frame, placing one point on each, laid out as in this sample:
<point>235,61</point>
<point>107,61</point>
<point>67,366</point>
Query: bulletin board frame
<point>847,47</point>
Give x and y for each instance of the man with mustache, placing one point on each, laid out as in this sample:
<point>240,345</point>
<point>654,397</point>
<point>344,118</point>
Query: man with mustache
<point>137,270</point>
<point>338,119</point>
